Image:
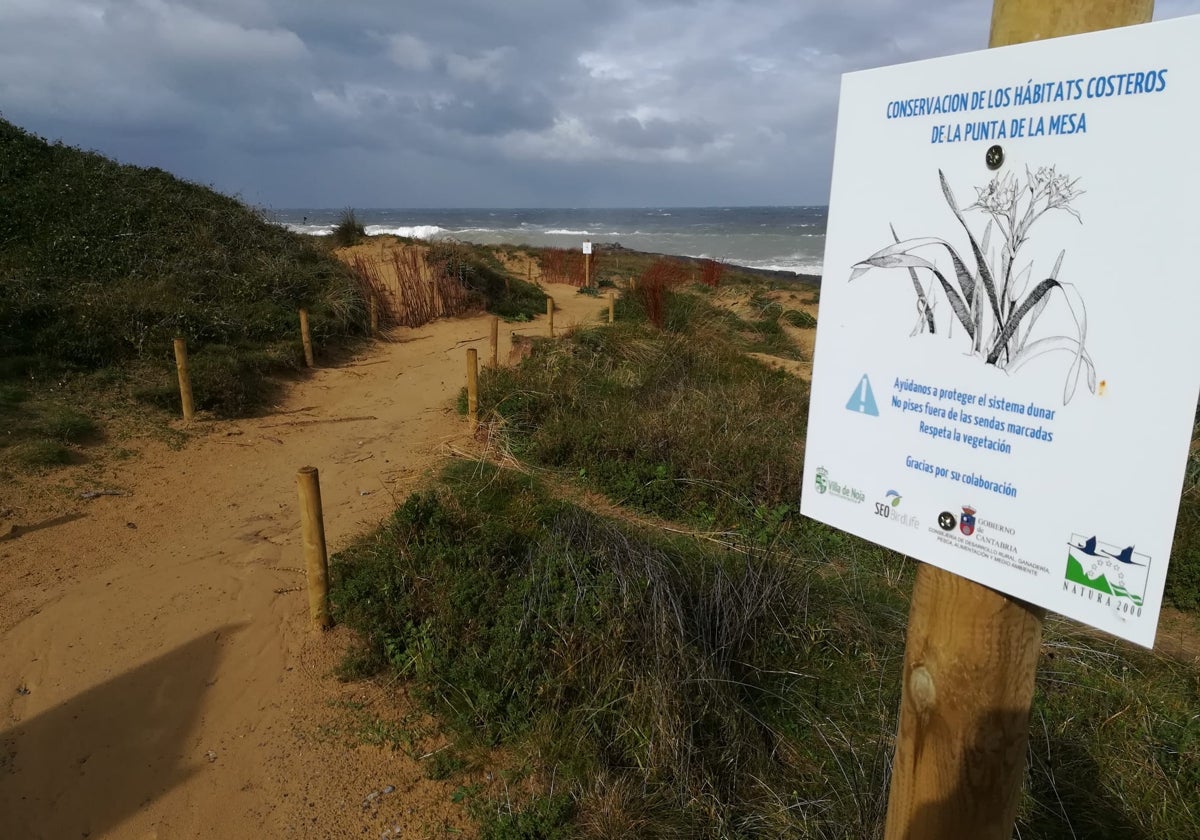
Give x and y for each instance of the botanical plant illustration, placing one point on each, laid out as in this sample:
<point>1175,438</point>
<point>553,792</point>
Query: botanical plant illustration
<point>992,300</point>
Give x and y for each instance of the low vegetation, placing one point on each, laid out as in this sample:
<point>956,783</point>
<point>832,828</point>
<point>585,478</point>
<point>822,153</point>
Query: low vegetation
<point>738,682</point>
<point>102,265</point>
<point>673,688</point>
<point>679,423</point>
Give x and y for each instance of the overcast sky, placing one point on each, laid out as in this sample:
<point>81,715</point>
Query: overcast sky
<point>468,103</point>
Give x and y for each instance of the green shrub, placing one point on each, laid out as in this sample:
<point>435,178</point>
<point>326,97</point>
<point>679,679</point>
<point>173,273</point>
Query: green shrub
<point>348,230</point>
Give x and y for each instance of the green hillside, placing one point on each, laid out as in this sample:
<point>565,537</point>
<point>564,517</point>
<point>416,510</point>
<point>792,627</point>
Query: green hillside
<point>102,264</point>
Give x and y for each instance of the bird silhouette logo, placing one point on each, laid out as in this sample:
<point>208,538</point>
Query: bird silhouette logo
<point>1125,556</point>
<point>1107,568</point>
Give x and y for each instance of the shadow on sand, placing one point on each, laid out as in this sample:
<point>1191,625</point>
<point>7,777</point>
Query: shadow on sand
<point>82,767</point>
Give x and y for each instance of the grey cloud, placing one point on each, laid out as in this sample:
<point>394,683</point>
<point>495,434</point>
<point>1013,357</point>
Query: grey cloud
<point>434,102</point>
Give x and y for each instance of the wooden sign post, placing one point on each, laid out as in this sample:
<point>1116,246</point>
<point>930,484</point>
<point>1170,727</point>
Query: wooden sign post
<point>550,314</point>
<point>587,264</point>
<point>971,655</point>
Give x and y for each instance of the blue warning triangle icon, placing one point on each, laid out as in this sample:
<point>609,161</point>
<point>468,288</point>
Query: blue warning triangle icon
<point>862,400</point>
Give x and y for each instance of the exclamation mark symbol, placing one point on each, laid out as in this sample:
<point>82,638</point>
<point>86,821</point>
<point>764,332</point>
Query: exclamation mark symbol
<point>862,400</point>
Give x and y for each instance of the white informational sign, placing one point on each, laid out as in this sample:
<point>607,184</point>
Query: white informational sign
<point>1008,357</point>
<point>587,247</point>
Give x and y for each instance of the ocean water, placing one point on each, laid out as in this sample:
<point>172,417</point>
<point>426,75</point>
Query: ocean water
<point>776,238</point>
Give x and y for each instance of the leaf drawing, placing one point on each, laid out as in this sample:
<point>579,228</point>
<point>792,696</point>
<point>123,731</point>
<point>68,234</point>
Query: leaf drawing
<point>990,296</point>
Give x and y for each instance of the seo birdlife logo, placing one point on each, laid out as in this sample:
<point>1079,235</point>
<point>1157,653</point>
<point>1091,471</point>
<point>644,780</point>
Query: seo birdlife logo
<point>889,509</point>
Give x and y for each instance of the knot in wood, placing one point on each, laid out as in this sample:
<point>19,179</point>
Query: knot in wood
<point>921,689</point>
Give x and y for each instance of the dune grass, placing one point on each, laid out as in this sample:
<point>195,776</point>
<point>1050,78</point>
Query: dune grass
<point>102,265</point>
<point>638,413</point>
<point>740,682</point>
<point>673,688</point>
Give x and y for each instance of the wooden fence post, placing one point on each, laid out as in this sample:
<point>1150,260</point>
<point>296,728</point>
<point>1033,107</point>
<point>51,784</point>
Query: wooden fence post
<point>495,341</point>
<point>316,560</point>
<point>185,380</point>
<point>970,660</point>
<point>550,314</point>
<point>612,302</point>
<point>306,338</point>
<point>473,387</point>
<point>374,315</point>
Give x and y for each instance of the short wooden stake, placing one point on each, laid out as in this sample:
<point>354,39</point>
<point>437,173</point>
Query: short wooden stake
<point>306,338</point>
<point>495,341</point>
<point>550,314</point>
<point>316,560</point>
<point>970,660</point>
<point>587,270</point>
<point>473,387</point>
<point>185,381</point>
<point>612,303</point>
<point>374,316</point>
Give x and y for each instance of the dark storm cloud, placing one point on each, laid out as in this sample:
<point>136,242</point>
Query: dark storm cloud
<point>431,102</point>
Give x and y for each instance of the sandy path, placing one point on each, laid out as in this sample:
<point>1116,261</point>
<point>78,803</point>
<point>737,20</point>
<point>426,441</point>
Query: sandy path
<point>158,678</point>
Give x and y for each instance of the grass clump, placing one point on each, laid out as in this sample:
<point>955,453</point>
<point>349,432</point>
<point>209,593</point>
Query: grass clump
<point>348,230</point>
<point>798,318</point>
<point>36,431</point>
<point>40,454</point>
<point>679,424</point>
<point>664,685</point>
<point>675,689</point>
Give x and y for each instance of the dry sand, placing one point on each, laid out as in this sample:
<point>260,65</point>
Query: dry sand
<point>159,679</point>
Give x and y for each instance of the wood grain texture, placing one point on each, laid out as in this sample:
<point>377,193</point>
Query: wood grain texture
<point>1017,21</point>
<point>969,668</point>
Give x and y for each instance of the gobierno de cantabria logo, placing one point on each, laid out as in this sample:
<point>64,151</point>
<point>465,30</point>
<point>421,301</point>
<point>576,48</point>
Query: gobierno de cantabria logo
<point>1106,571</point>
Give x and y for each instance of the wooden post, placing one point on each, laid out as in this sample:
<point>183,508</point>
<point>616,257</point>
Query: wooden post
<point>306,338</point>
<point>550,314</point>
<point>316,560</point>
<point>612,301</point>
<point>495,341</point>
<point>1015,21</point>
<point>587,271</point>
<point>374,315</point>
<point>970,660</point>
<point>185,381</point>
<point>473,387</point>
